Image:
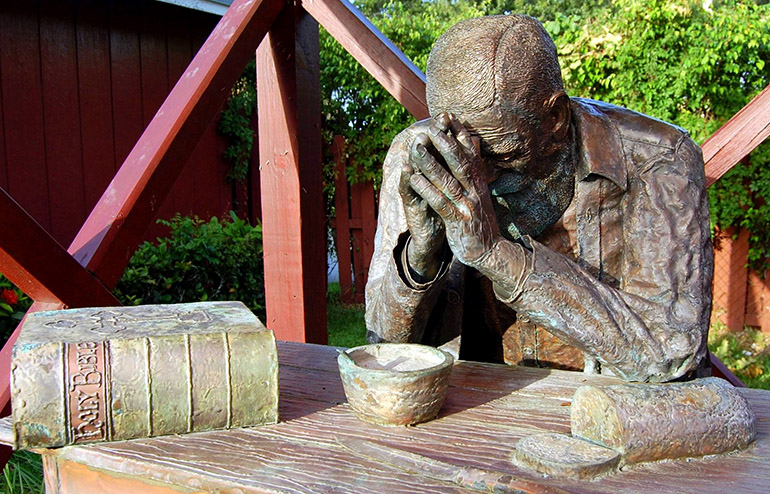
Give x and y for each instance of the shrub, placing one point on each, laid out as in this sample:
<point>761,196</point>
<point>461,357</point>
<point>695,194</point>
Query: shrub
<point>746,353</point>
<point>198,261</point>
<point>13,305</point>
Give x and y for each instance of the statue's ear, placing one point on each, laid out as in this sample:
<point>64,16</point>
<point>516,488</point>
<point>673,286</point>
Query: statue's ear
<point>558,115</point>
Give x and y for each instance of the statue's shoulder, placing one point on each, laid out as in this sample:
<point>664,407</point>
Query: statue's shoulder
<point>404,138</point>
<point>632,127</point>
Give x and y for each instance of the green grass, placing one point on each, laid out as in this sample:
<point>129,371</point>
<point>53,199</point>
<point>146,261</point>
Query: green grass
<point>23,474</point>
<point>345,321</point>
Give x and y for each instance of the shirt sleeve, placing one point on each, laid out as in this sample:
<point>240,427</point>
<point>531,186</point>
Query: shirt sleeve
<point>652,325</point>
<point>397,308</point>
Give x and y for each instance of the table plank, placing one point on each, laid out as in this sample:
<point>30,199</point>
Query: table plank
<point>488,409</point>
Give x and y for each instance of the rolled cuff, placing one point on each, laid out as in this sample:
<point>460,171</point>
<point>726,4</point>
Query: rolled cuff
<point>405,271</point>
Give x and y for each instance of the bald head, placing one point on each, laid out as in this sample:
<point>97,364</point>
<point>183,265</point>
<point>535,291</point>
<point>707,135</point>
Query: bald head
<point>508,59</point>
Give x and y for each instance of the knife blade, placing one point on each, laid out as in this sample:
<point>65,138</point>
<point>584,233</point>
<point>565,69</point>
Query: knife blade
<point>469,477</point>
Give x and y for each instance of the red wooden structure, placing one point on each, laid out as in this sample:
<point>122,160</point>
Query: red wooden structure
<point>354,226</point>
<point>741,295</point>
<point>79,82</point>
<point>287,72</point>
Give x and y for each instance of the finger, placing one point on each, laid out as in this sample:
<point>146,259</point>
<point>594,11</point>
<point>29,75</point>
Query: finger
<point>443,121</point>
<point>436,174</point>
<point>469,143</point>
<point>404,187</point>
<point>434,197</point>
<point>453,154</point>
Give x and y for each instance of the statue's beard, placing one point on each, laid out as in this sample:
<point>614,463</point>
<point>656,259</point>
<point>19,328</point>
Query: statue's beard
<point>529,206</point>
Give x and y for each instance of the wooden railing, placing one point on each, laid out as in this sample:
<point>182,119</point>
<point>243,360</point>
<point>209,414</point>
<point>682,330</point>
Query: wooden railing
<point>290,166</point>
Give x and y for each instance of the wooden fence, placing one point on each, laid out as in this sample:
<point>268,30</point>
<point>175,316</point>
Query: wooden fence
<point>354,226</point>
<point>741,295</point>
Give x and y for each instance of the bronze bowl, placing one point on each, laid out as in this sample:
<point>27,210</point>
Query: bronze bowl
<point>395,383</point>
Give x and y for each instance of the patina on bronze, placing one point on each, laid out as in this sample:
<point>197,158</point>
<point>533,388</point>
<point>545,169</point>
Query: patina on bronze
<point>559,455</point>
<point>107,374</point>
<point>541,229</point>
<point>646,422</point>
<point>395,384</point>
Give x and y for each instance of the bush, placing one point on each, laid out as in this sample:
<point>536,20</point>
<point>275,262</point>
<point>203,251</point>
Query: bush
<point>198,261</point>
<point>13,305</point>
<point>746,353</point>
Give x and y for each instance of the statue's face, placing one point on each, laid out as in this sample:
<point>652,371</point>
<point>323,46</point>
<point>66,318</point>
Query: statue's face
<point>530,184</point>
<point>510,147</point>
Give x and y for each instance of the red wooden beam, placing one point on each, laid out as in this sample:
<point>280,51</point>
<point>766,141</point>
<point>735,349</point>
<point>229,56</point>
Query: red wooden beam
<point>746,130</point>
<point>293,234</point>
<point>375,52</point>
<point>115,227</point>
<point>39,266</point>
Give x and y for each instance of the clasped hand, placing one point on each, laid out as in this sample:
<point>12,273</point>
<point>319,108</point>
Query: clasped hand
<point>455,195</point>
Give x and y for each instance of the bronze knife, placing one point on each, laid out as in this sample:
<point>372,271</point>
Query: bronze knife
<point>468,477</point>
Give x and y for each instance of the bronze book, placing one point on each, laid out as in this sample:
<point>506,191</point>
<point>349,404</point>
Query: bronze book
<point>114,373</point>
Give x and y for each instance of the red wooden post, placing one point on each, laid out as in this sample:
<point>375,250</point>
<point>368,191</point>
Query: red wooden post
<point>764,307</point>
<point>342,219</point>
<point>737,281</point>
<point>368,227</point>
<point>109,237</point>
<point>290,161</point>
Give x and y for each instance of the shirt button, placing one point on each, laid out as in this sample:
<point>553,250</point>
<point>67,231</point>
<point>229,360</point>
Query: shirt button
<point>529,351</point>
<point>452,297</point>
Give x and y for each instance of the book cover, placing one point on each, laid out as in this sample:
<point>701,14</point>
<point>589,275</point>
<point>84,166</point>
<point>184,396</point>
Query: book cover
<point>115,373</point>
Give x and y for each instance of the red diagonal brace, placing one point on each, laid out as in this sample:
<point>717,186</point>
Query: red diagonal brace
<point>115,227</point>
<point>375,52</point>
<point>746,130</point>
<point>39,266</point>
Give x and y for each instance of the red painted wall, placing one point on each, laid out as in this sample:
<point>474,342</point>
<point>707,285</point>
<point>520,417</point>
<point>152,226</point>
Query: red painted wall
<point>79,81</point>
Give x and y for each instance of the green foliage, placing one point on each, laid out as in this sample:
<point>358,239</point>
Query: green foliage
<point>746,353</point>
<point>198,261</point>
<point>681,63</point>
<point>235,123</point>
<point>13,305</point>
<point>23,474</point>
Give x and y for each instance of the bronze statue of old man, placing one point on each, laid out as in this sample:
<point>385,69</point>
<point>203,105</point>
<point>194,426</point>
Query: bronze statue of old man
<point>540,229</point>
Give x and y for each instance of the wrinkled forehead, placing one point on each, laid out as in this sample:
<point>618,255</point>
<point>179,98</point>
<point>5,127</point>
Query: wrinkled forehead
<point>500,131</point>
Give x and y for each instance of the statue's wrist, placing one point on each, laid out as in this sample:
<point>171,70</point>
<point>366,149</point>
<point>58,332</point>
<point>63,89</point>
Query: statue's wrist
<point>423,265</point>
<point>507,265</point>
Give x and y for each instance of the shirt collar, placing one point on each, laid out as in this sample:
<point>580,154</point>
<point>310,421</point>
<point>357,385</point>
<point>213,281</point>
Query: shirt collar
<point>600,150</point>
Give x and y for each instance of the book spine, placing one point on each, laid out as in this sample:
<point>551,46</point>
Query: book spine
<point>86,389</point>
<point>142,387</point>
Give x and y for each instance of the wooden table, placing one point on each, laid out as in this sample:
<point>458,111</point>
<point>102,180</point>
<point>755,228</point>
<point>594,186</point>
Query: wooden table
<point>488,409</point>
